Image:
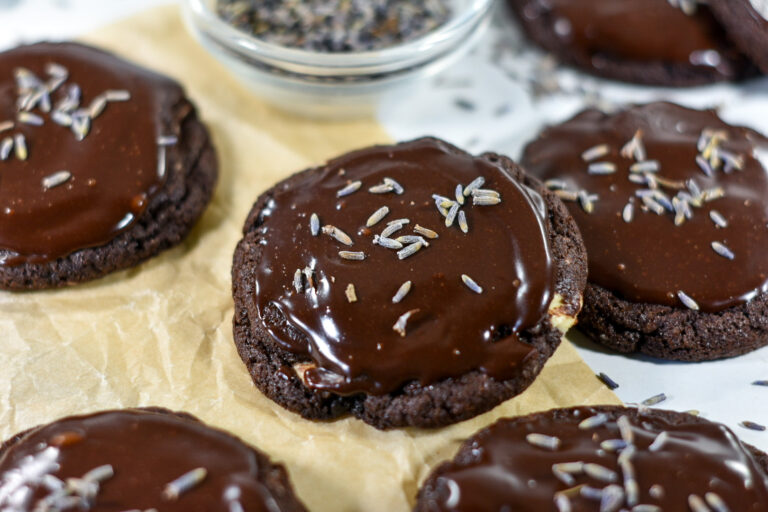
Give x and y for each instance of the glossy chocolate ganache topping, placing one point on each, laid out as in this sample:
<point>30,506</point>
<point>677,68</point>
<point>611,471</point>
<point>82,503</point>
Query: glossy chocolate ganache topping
<point>583,460</point>
<point>131,460</point>
<point>672,31</point>
<point>82,142</point>
<point>671,202</point>
<point>414,262</point>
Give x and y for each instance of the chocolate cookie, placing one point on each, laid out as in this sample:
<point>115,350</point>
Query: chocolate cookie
<point>600,458</point>
<point>411,284</point>
<point>103,164</point>
<point>138,459</point>
<point>747,24</point>
<point>673,207</point>
<point>655,42</point>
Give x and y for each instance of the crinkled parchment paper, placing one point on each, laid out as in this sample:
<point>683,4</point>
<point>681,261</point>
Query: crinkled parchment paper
<point>161,334</point>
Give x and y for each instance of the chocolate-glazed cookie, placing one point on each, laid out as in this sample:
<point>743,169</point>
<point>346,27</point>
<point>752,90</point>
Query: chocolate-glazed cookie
<point>747,24</point>
<point>673,207</point>
<point>600,458</point>
<point>138,459</point>
<point>651,42</point>
<point>411,284</point>
<point>103,164</point>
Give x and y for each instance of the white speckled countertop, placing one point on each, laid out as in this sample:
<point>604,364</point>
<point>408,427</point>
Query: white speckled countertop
<point>485,103</point>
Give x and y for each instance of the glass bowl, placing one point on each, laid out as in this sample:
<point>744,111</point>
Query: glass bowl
<point>336,85</point>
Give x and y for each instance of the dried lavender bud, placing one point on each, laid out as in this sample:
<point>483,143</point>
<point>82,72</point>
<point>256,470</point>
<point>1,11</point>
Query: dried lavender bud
<point>335,25</point>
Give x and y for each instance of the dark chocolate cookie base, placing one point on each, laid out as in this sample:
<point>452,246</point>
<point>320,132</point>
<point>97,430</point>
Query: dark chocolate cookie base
<point>541,31</point>
<point>673,333</point>
<point>748,32</point>
<point>191,174</point>
<point>428,492</point>
<point>442,403</point>
<point>273,476</point>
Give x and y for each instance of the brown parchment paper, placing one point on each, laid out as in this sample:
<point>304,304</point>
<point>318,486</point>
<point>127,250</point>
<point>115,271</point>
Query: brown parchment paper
<point>161,334</point>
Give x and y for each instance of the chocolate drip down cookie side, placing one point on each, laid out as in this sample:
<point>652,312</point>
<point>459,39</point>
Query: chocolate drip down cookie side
<point>747,24</point>
<point>590,459</point>
<point>672,204</point>
<point>654,42</point>
<point>103,164</point>
<point>408,285</point>
<point>138,459</point>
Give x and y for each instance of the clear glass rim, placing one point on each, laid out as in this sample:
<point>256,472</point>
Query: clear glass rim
<point>405,55</point>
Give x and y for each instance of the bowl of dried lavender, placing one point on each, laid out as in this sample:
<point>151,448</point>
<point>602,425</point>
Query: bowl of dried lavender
<point>335,59</point>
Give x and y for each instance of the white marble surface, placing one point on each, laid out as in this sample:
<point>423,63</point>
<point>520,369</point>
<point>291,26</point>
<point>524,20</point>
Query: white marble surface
<point>34,20</point>
<point>485,102</point>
